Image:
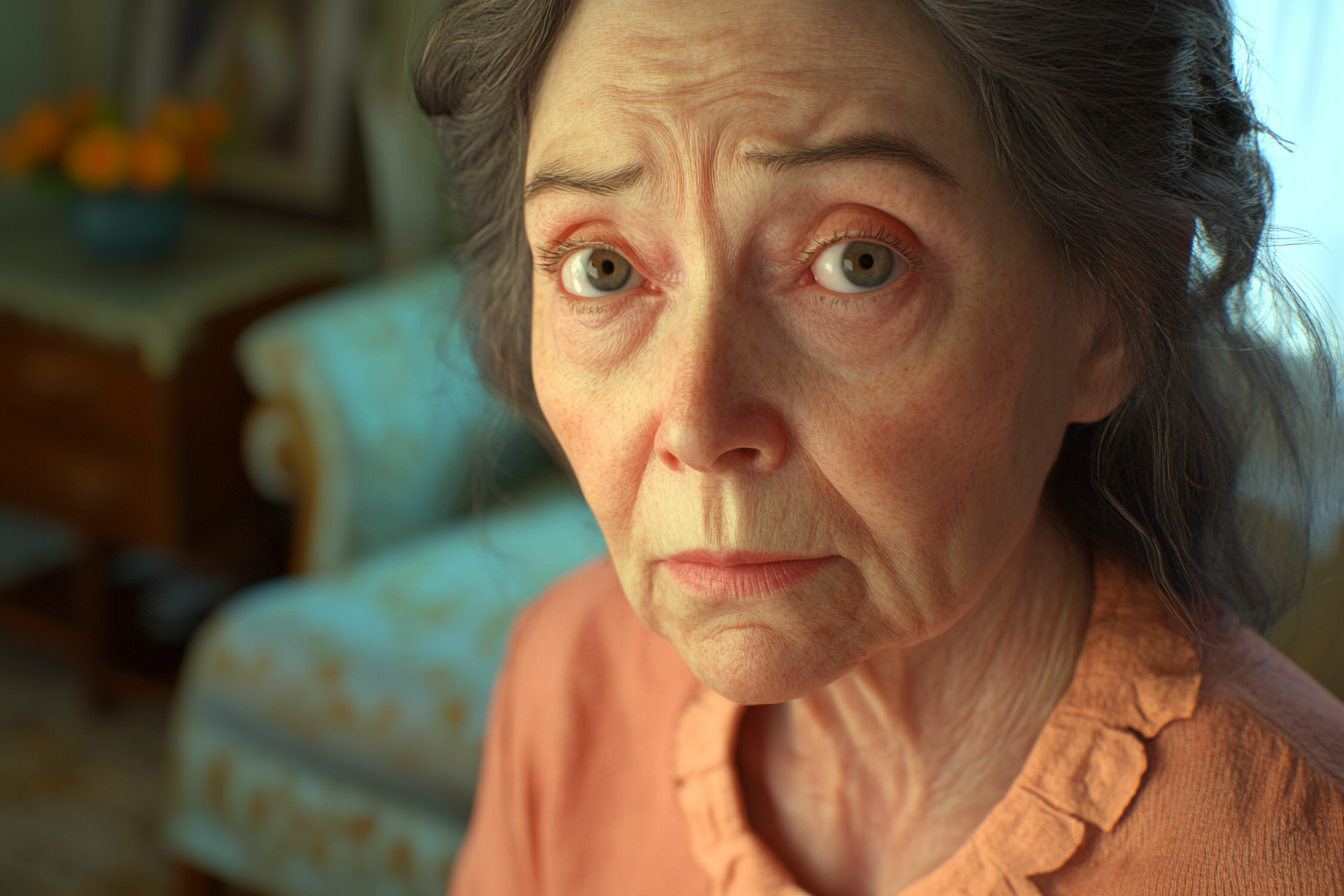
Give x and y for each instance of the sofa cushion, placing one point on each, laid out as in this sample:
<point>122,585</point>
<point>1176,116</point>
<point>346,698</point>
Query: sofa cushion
<point>382,672</point>
<point>256,817</point>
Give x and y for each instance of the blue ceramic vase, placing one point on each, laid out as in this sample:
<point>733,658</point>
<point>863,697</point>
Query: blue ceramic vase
<point>127,226</point>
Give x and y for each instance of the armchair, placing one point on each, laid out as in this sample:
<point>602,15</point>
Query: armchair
<point>327,731</point>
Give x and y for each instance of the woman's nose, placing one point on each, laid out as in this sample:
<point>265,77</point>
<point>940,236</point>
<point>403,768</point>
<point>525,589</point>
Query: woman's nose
<point>714,417</point>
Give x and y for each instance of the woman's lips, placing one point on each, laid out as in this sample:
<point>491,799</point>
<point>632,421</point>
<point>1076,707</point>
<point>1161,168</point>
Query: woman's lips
<point>741,573</point>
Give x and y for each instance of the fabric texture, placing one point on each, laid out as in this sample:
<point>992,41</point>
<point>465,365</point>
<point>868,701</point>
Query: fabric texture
<point>327,733</point>
<point>397,418</point>
<point>1166,768</point>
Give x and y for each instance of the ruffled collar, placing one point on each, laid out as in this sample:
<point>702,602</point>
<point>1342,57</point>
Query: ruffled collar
<point>1136,673</point>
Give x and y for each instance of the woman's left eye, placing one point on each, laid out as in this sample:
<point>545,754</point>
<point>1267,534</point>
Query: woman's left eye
<point>593,273</point>
<point>857,266</point>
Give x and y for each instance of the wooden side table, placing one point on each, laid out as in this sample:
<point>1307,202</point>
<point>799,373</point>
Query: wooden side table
<point>121,406</point>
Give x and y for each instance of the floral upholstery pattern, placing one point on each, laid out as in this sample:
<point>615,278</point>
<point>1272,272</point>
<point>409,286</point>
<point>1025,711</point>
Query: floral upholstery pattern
<point>328,731</point>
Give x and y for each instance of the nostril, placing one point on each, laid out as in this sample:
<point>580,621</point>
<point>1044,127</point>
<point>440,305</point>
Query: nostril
<point>670,460</point>
<point>744,457</point>
<point>721,440</point>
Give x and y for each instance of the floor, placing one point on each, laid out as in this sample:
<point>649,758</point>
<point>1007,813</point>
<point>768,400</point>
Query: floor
<point>80,793</point>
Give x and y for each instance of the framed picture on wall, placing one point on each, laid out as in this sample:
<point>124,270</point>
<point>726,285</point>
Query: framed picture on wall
<point>283,69</point>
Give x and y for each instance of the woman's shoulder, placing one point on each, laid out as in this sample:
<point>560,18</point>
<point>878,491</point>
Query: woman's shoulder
<point>1248,792</point>
<point>1238,695</point>
<point>1251,691</point>
<point>578,757</point>
<point>581,644</point>
<point>1241,775</point>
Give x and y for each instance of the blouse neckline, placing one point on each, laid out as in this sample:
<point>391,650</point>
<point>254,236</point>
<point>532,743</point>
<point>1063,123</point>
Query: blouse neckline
<point>1137,672</point>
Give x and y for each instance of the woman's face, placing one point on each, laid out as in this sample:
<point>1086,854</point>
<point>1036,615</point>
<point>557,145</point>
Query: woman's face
<point>809,358</point>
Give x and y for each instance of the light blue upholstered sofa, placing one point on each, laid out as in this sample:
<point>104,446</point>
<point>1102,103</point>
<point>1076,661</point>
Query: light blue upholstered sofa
<point>325,738</point>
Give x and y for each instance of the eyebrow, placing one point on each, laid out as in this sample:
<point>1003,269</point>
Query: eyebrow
<point>565,179</point>
<point>860,146</point>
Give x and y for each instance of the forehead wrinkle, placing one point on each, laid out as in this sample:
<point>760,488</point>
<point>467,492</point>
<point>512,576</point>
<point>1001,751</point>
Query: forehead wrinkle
<point>683,49</point>
<point>672,102</point>
<point>651,143</point>
<point>680,151</point>
<point>694,158</point>
<point>662,58</point>
<point>655,118</point>
<point>749,88</point>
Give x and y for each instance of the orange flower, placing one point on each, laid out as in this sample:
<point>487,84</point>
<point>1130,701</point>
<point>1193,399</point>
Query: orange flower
<point>81,105</point>
<point>99,158</point>
<point>213,122</point>
<point>41,128</point>
<point>200,164</point>
<point>156,162</point>
<point>172,118</point>
<point>15,160</point>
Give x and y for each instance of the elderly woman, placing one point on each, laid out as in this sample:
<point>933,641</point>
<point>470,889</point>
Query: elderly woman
<point>875,338</point>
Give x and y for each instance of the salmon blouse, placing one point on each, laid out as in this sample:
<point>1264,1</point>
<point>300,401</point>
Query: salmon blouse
<point>608,769</point>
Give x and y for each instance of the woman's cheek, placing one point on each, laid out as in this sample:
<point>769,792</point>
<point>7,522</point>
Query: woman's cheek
<point>596,432</point>
<point>584,380</point>
<point>866,332</point>
<point>594,338</point>
<point>590,360</point>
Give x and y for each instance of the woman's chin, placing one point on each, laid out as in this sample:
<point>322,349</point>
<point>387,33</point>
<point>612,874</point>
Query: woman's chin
<point>756,665</point>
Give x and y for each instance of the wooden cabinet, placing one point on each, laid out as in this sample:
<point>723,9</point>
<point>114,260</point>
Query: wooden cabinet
<point>93,439</point>
<point>88,436</point>
<point>121,406</point>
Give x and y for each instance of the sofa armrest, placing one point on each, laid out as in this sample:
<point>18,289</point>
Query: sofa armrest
<point>278,455</point>
<point>272,450</point>
<point>383,415</point>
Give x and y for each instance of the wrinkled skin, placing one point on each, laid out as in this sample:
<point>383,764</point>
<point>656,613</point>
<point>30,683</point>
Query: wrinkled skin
<point>727,399</point>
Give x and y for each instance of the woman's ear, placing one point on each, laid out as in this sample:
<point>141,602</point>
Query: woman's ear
<point>1103,378</point>
<point>1107,372</point>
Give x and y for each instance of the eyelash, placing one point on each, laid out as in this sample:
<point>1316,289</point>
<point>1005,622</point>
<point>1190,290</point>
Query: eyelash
<point>892,241</point>
<point>550,256</point>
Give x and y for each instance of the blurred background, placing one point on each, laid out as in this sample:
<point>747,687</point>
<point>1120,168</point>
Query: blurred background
<point>252,590</point>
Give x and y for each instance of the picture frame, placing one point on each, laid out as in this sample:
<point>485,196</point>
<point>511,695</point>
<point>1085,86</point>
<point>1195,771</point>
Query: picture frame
<point>285,71</point>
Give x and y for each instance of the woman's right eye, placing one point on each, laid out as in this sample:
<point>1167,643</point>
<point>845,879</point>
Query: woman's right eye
<point>593,273</point>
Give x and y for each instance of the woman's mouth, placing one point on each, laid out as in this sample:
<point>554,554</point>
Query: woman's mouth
<point>741,573</point>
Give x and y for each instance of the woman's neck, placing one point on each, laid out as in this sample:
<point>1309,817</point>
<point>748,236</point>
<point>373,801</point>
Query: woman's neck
<point>871,782</point>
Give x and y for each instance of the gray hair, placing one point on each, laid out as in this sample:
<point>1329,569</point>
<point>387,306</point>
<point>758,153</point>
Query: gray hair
<point>1123,129</point>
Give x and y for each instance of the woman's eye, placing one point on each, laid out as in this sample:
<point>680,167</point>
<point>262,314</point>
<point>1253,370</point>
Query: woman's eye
<point>857,266</point>
<point>593,273</point>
